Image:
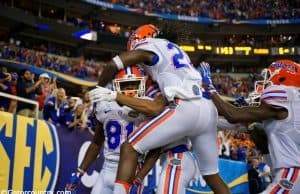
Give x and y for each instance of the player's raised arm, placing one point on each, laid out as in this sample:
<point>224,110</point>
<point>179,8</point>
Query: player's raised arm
<point>121,61</point>
<point>238,114</point>
<point>245,114</point>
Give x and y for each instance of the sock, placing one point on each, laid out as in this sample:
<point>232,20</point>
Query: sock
<point>121,187</point>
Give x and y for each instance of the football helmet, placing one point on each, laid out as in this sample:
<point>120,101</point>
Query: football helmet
<point>130,81</point>
<point>142,32</point>
<point>282,72</point>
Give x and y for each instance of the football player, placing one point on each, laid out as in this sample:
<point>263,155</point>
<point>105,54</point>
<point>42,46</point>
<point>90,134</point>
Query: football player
<point>280,114</point>
<point>190,115</point>
<point>115,123</point>
<point>179,166</point>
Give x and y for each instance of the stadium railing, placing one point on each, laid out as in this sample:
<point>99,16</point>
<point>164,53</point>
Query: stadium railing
<point>23,100</point>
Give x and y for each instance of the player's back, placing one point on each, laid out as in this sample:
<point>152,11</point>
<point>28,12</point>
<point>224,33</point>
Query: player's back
<point>116,127</point>
<point>284,135</point>
<point>171,66</point>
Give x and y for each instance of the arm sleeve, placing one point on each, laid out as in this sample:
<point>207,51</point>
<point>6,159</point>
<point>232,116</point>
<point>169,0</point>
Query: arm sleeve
<point>150,44</point>
<point>275,95</point>
<point>153,91</point>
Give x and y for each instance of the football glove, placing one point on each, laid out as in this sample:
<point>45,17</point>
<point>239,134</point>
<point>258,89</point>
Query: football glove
<point>102,94</point>
<point>239,102</point>
<point>74,181</point>
<point>207,85</point>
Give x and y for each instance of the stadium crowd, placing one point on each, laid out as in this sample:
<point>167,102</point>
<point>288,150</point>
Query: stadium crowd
<point>54,104</point>
<point>238,9</point>
<point>235,145</point>
<point>51,58</point>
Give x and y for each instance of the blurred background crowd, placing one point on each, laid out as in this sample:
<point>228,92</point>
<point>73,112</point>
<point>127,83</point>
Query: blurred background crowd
<point>238,9</point>
<point>233,9</point>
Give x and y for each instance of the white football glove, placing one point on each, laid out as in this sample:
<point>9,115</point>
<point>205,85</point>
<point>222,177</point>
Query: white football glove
<point>102,94</point>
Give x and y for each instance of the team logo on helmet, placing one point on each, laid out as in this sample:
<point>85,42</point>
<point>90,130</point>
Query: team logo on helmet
<point>282,72</point>
<point>141,33</point>
<point>130,81</point>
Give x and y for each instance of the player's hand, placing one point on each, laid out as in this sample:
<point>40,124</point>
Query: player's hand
<point>240,102</point>
<point>207,85</point>
<point>102,94</point>
<point>136,187</point>
<point>74,181</point>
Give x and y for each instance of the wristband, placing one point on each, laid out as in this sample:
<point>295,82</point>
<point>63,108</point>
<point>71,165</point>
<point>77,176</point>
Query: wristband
<point>80,170</point>
<point>211,90</point>
<point>118,62</point>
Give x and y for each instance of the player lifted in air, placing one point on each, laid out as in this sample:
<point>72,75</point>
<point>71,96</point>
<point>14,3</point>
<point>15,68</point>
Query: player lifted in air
<point>279,112</point>
<point>190,115</point>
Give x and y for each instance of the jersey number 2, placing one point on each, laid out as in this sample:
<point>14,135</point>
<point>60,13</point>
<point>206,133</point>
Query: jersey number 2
<point>179,60</point>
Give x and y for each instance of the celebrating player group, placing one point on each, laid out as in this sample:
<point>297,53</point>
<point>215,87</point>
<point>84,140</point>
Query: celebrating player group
<point>161,105</point>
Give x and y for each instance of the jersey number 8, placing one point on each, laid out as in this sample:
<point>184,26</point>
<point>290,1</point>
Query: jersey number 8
<point>114,131</point>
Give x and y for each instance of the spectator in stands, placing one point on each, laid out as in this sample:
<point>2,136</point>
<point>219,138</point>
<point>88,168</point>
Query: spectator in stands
<point>55,107</point>
<point>46,91</point>
<point>242,153</point>
<point>255,182</point>
<point>52,88</point>
<point>73,102</point>
<point>27,88</point>
<point>265,173</point>
<point>225,144</point>
<point>13,103</point>
<point>88,106</point>
<point>233,152</point>
<point>78,119</point>
<point>5,87</point>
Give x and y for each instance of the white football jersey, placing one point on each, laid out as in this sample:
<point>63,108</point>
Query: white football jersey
<point>171,69</point>
<point>283,135</point>
<point>118,122</point>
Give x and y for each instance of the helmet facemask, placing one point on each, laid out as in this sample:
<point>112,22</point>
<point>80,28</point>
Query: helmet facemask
<point>254,97</point>
<point>133,87</point>
<point>259,86</point>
